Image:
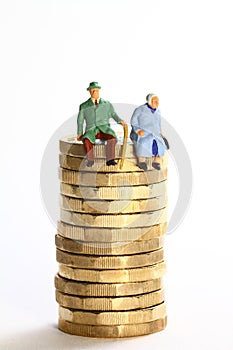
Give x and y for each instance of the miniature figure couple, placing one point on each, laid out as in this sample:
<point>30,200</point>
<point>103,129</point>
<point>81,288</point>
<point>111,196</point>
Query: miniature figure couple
<point>146,131</point>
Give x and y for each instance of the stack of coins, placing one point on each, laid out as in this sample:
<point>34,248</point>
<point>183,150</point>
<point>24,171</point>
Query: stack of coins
<point>110,244</point>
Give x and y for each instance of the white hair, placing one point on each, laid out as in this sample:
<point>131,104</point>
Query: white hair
<point>149,97</point>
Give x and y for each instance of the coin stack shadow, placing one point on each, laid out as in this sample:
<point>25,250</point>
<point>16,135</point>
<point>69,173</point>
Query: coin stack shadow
<point>110,245</point>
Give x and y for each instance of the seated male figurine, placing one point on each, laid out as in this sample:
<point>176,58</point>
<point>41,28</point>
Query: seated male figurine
<point>96,114</point>
<point>146,133</point>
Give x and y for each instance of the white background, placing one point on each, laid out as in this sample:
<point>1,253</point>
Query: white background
<point>50,51</point>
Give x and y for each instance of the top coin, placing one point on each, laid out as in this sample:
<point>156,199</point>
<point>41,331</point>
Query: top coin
<point>70,146</point>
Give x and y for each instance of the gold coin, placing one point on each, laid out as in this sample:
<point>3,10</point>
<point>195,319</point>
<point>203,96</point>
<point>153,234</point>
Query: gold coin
<point>121,331</point>
<point>113,206</point>
<point>69,145</point>
<point>115,221</point>
<point>113,276</point>
<point>109,235</point>
<point>106,289</point>
<point>115,193</point>
<point>113,317</point>
<point>79,164</point>
<point>84,178</point>
<point>103,248</point>
<point>110,262</point>
<point>110,304</point>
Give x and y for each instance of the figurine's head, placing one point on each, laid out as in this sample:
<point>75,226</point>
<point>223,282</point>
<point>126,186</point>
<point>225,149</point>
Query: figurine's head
<point>152,100</point>
<point>94,88</point>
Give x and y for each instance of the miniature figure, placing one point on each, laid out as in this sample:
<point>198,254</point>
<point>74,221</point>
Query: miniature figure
<point>146,133</point>
<point>96,112</point>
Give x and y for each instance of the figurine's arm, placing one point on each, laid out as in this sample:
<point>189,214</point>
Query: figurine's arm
<point>80,120</point>
<point>135,123</point>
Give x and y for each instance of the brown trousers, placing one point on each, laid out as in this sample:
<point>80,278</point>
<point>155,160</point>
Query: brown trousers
<point>110,147</point>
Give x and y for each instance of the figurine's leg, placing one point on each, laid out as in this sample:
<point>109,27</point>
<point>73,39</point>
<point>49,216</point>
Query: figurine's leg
<point>110,148</point>
<point>142,163</point>
<point>155,159</point>
<point>156,162</point>
<point>89,150</point>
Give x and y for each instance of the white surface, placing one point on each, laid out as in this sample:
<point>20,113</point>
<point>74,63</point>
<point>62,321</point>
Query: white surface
<point>50,51</point>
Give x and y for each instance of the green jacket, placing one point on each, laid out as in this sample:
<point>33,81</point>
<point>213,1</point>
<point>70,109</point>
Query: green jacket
<point>97,118</point>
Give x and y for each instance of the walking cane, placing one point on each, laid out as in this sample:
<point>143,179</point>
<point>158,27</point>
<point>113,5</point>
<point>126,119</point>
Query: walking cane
<point>124,145</point>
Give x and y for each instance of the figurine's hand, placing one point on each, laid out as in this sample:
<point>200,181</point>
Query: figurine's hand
<point>140,133</point>
<point>123,123</point>
<point>79,137</point>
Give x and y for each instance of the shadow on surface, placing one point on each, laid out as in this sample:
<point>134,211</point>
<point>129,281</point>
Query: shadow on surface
<point>50,338</point>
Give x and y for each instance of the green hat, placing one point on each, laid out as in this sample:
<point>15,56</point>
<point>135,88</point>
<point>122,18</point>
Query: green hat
<point>94,85</point>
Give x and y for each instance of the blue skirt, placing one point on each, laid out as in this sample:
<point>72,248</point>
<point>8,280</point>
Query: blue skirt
<point>154,148</point>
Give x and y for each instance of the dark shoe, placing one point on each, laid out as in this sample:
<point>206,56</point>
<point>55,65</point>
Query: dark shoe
<point>156,166</point>
<point>111,162</point>
<point>142,165</point>
<point>89,163</point>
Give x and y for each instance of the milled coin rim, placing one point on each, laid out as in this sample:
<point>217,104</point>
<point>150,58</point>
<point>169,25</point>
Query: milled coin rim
<point>115,207</point>
<point>108,248</point>
<point>122,234</point>
<point>139,274</point>
<point>78,163</point>
<point>93,289</point>
<point>122,303</point>
<point>149,314</point>
<point>69,145</point>
<point>111,261</point>
<point>122,331</point>
<point>114,179</point>
<point>137,220</point>
<point>114,193</point>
